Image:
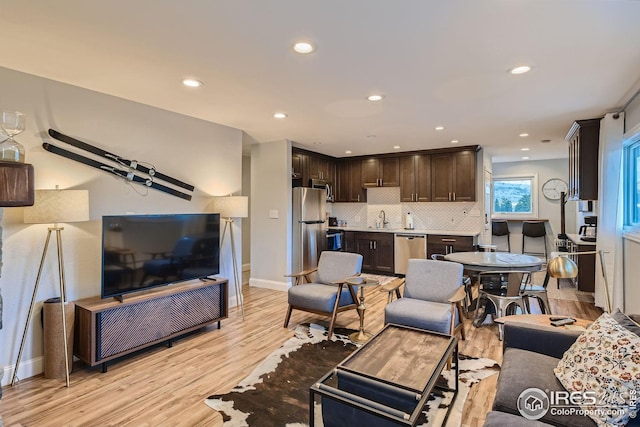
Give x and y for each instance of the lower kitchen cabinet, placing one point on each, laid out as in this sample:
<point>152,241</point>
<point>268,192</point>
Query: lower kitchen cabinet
<point>586,279</point>
<point>376,250</point>
<point>445,244</point>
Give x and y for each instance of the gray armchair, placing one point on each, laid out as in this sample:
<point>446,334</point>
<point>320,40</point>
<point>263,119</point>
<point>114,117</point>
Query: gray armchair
<point>432,298</point>
<point>327,295</point>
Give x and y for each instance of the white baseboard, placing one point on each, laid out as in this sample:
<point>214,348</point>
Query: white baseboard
<point>28,368</point>
<point>269,284</point>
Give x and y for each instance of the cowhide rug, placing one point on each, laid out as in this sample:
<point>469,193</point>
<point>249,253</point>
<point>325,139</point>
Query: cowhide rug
<point>276,393</point>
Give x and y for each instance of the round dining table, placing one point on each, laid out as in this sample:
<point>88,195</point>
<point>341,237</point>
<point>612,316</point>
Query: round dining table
<point>495,261</point>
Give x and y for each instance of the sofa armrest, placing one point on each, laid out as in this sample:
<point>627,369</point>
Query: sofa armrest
<point>547,340</point>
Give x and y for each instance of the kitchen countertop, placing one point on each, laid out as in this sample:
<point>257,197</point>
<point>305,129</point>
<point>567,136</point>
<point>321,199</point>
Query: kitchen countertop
<point>575,238</point>
<point>414,231</point>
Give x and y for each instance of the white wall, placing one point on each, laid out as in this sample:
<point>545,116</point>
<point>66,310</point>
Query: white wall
<point>547,209</point>
<point>204,154</point>
<point>270,196</point>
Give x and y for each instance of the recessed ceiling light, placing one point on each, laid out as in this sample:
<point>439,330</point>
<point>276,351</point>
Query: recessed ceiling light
<point>396,147</point>
<point>375,97</point>
<point>347,152</point>
<point>317,143</point>
<point>280,115</point>
<point>524,135</point>
<point>545,141</point>
<point>525,149</point>
<point>303,47</point>
<point>525,158</point>
<point>521,69</point>
<point>454,141</point>
<point>439,127</point>
<point>192,82</point>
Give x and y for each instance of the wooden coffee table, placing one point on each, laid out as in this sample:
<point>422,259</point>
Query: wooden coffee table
<point>399,364</point>
<point>543,320</point>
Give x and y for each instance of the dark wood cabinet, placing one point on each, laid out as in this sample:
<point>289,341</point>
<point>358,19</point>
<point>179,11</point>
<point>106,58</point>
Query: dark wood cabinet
<point>321,168</point>
<point>453,177</point>
<point>415,178</point>
<point>445,244</point>
<point>586,279</point>
<point>381,172</point>
<point>376,250</point>
<point>349,182</point>
<point>307,165</point>
<point>583,138</point>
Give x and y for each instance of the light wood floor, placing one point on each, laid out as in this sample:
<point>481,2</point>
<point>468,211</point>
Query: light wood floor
<point>166,386</point>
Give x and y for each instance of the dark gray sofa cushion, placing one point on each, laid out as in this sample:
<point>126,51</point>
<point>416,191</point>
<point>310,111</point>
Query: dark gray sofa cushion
<point>502,419</point>
<point>522,369</point>
<point>547,340</point>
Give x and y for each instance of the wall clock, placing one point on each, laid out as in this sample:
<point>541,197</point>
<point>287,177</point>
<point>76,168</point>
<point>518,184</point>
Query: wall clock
<point>552,188</point>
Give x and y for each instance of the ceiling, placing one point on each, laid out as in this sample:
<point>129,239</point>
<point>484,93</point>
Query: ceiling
<point>437,63</point>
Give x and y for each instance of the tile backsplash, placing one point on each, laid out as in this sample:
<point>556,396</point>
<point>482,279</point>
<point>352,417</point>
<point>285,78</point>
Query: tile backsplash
<point>465,216</point>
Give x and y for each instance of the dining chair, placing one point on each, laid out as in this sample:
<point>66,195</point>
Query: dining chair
<point>539,292</point>
<point>503,290</point>
<point>327,294</point>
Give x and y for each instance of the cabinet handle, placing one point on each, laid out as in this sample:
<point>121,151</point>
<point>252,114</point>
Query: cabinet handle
<point>449,196</point>
<point>448,240</point>
<point>375,245</point>
<point>370,244</point>
<point>454,196</point>
<point>417,199</point>
<point>358,197</point>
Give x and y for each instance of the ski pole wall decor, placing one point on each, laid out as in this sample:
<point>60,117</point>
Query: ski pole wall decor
<point>129,170</point>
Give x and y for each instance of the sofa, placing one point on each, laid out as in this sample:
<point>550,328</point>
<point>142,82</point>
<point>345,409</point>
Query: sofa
<point>530,355</point>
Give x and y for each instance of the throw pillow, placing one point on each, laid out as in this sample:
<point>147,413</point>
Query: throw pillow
<point>626,321</point>
<point>605,362</point>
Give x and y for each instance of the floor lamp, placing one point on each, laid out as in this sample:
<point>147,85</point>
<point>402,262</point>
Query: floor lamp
<point>53,207</point>
<point>231,207</point>
<point>563,267</point>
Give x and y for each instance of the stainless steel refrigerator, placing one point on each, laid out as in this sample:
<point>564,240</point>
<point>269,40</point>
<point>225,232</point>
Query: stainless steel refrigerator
<point>309,227</point>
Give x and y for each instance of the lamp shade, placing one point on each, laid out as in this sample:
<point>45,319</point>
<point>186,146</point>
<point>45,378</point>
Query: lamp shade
<point>562,267</point>
<point>53,206</point>
<point>231,206</point>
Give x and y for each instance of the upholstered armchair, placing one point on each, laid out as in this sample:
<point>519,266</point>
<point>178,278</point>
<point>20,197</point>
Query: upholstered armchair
<point>327,294</point>
<point>433,293</point>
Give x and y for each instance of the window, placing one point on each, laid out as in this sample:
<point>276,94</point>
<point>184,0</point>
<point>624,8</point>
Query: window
<point>632,183</point>
<point>515,196</point>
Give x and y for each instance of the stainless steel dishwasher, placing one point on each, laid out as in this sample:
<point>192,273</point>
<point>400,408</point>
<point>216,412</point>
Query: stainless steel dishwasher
<point>408,246</point>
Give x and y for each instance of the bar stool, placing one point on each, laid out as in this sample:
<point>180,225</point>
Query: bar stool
<point>534,230</point>
<point>501,228</point>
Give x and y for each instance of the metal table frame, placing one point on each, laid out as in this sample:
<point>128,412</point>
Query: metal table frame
<point>372,407</point>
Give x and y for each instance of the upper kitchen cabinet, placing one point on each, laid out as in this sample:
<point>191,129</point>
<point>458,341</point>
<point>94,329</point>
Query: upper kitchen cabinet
<point>349,182</point>
<point>583,140</point>
<point>415,178</point>
<point>321,168</point>
<point>381,172</point>
<point>453,176</point>
<point>307,165</point>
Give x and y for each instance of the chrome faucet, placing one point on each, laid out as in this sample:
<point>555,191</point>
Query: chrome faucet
<point>383,216</point>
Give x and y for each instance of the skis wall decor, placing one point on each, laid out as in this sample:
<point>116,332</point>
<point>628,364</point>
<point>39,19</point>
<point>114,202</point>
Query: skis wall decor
<point>127,174</point>
<point>132,164</point>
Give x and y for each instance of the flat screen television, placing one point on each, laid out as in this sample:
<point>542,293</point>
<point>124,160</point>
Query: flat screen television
<point>145,251</point>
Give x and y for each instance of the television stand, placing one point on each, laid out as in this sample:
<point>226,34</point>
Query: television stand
<point>106,329</point>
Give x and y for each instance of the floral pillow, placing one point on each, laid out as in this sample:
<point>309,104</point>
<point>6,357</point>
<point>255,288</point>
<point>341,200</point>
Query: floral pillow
<point>603,365</point>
